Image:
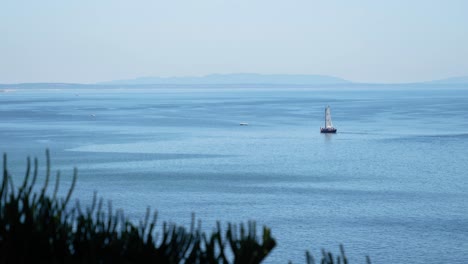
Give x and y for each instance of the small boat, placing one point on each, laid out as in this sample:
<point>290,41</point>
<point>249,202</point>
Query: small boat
<point>328,122</point>
<point>243,124</point>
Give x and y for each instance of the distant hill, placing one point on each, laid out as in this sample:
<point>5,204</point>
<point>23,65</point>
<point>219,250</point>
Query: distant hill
<point>233,81</point>
<point>13,86</point>
<point>241,78</point>
<point>453,80</point>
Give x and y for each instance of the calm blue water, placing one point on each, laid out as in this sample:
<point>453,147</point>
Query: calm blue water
<point>392,184</point>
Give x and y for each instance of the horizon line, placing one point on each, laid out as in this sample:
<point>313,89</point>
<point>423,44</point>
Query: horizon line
<point>111,82</point>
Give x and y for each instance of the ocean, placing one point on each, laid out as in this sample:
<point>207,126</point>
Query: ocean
<point>391,184</point>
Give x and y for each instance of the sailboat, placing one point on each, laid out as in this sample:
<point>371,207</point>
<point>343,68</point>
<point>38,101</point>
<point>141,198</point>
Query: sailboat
<point>328,122</point>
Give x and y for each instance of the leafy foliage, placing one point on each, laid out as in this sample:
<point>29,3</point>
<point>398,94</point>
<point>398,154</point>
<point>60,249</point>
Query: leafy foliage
<point>39,227</point>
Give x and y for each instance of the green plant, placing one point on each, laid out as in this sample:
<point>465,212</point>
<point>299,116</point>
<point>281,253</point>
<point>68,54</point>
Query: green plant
<point>36,226</point>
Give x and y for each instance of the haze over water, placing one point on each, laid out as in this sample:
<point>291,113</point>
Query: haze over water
<point>391,184</point>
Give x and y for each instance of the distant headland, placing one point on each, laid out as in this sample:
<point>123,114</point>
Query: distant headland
<point>237,78</point>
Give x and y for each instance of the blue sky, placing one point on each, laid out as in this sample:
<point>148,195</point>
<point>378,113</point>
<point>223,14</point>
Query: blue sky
<point>366,41</point>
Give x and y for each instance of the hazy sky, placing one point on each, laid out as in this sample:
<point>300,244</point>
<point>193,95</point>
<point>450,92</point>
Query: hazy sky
<point>97,40</point>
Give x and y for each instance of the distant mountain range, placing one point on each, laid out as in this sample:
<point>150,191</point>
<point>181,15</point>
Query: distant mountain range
<point>236,80</point>
<point>241,78</point>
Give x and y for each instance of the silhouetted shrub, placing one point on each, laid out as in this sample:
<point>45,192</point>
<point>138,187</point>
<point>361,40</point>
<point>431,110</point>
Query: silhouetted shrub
<point>39,227</point>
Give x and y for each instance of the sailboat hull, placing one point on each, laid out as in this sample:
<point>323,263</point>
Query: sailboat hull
<point>328,130</point>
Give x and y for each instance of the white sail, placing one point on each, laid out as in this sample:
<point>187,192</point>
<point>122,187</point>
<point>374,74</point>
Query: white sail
<point>328,121</point>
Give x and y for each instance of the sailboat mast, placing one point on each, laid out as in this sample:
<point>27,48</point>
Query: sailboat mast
<point>325,116</point>
<point>328,122</point>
